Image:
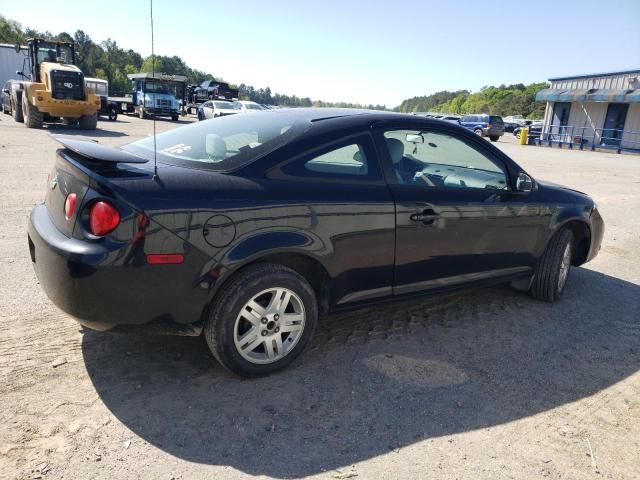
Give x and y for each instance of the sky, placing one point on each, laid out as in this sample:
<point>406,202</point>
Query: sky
<point>378,52</point>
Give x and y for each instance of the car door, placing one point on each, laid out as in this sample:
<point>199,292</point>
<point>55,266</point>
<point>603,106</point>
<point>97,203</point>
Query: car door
<point>457,219</point>
<point>349,210</point>
<point>207,110</point>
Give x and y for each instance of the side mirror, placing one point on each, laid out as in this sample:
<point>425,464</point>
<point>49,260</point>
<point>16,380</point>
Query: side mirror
<point>5,90</point>
<point>524,183</point>
<point>17,47</point>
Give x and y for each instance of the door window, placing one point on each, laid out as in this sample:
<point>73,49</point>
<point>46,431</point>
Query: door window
<point>348,160</point>
<point>352,159</point>
<point>433,159</point>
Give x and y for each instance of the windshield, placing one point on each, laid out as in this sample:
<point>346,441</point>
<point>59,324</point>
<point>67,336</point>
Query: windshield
<point>48,52</point>
<point>253,106</point>
<point>152,86</point>
<point>224,144</point>
<point>225,106</point>
<point>98,88</point>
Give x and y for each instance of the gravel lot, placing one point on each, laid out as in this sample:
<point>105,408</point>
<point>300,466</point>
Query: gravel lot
<point>485,384</point>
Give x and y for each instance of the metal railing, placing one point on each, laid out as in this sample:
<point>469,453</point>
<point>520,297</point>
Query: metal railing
<point>608,138</point>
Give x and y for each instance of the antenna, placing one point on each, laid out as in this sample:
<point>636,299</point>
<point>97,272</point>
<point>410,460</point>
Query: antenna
<point>153,73</point>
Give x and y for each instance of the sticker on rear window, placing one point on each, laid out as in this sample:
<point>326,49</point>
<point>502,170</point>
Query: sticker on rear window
<point>178,149</point>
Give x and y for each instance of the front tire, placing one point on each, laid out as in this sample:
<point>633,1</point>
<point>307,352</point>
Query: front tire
<point>16,110</point>
<point>113,114</point>
<point>89,122</point>
<point>478,131</point>
<point>494,138</point>
<point>174,118</point>
<point>552,274</point>
<point>32,116</point>
<point>262,320</point>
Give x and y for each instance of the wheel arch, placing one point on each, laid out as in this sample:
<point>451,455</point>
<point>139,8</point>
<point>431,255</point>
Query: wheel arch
<point>581,238</point>
<point>304,264</point>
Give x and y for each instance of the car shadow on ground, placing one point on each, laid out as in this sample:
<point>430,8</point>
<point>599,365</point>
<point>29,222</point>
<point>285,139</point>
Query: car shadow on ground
<point>374,380</point>
<point>100,132</point>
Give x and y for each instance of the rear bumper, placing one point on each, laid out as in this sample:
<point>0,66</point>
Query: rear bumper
<point>492,132</point>
<point>45,103</point>
<point>96,284</point>
<point>161,111</point>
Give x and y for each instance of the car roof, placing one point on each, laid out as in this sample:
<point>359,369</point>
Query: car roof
<point>316,114</point>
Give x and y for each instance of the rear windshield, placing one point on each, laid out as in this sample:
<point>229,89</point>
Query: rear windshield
<point>495,119</point>
<point>223,144</point>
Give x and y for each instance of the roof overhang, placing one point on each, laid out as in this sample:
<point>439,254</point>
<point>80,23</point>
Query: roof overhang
<point>620,95</point>
<point>562,95</point>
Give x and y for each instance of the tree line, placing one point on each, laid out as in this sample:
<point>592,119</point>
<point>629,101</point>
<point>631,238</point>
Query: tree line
<point>504,100</point>
<point>107,60</point>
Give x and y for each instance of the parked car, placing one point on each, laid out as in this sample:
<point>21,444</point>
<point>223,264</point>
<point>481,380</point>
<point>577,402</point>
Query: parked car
<point>216,108</point>
<point>509,127</point>
<point>5,96</point>
<point>248,106</point>
<point>251,226</point>
<point>212,90</point>
<point>535,130</point>
<point>451,118</point>
<point>484,125</point>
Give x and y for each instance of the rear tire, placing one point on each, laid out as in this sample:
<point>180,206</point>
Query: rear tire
<point>174,118</point>
<point>246,311</point>
<point>16,110</point>
<point>89,122</point>
<point>141,113</point>
<point>478,131</point>
<point>32,116</point>
<point>113,114</point>
<point>494,138</point>
<point>552,274</point>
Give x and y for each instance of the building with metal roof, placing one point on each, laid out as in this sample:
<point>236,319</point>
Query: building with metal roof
<point>597,110</point>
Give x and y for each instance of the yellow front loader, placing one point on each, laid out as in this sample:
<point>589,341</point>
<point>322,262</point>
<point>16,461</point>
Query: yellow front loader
<point>54,89</point>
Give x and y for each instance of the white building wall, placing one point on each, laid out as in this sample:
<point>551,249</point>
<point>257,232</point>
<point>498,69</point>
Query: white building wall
<point>632,124</point>
<point>589,116</point>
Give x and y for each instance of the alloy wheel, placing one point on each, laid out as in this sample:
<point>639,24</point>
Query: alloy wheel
<point>565,265</point>
<point>269,325</point>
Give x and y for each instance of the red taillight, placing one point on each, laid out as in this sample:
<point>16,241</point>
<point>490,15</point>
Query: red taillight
<point>70,205</point>
<point>103,218</point>
<point>165,258</point>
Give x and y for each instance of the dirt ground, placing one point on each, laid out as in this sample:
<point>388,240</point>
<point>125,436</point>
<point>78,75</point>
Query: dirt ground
<point>485,384</point>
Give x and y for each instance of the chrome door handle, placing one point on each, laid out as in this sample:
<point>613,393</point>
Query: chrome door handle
<point>426,216</point>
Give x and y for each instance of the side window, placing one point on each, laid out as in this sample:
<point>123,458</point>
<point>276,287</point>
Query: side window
<point>433,159</point>
<point>352,159</point>
<point>347,160</point>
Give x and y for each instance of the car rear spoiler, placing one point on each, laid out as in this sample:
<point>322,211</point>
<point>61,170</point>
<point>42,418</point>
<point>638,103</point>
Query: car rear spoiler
<point>96,152</point>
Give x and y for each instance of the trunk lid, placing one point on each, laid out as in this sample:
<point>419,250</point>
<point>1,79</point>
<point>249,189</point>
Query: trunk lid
<point>75,171</point>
